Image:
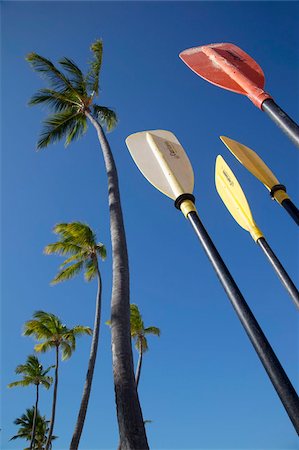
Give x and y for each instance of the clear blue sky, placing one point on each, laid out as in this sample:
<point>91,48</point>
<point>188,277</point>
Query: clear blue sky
<point>202,384</point>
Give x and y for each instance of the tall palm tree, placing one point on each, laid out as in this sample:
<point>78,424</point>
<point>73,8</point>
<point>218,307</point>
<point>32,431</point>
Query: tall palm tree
<point>139,333</point>
<point>78,242</point>
<point>71,96</point>
<point>33,373</point>
<point>26,422</point>
<point>48,328</point>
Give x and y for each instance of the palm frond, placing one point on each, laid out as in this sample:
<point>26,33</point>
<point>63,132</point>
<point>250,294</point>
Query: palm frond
<point>68,272</point>
<point>62,248</point>
<point>152,330</point>
<point>101,250</point>
<point>75,74</point>
<point>90,270</point>
<point>47,382</point>
<point>67,350</point>
<point>59,101</point>
<point>44,346</point>
<point>80,330</point>
<point>37,329</point>
<point>47,70</point>
<point>105,116</point>
<point>78,130</point>
<point>92,78</point>
<point>80,256</point>
<point>141,343</point>
<point>57,126</point>
<point>24,383</point>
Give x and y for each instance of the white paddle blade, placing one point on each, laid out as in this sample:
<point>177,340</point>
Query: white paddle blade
<point>162,160</point>
<point>233,197</point>
<point>251,161</point>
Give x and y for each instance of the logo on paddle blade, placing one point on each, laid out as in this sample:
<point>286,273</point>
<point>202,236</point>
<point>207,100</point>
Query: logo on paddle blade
<point>171,150</point>
<point>228,178</point>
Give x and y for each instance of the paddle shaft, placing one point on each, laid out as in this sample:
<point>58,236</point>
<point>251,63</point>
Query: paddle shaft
<point>276,373</point>
<point>280,270</point>
<point>285,123</point>
<point>291,209</point>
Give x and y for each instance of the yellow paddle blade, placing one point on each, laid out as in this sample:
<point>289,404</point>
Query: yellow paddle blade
<point>233,197</point>
<point>255,165</point>
<point>251,161</point>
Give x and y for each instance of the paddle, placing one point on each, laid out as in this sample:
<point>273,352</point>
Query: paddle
<point>258,168</point>
<point>163,161</point>
<point>229,67</point>
<point>234,199</point>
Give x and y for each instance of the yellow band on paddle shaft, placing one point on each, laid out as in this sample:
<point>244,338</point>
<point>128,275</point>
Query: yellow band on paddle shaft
<point>187,206</point>
<point>255,233</point>
<point>280,196</point>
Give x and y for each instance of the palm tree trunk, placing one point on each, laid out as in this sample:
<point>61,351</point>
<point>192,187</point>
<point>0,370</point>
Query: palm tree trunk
<point>48,443</point>
<point>34,418</point>
<point>129,415</point>
<point>90,370</point>
<point>139,365</point>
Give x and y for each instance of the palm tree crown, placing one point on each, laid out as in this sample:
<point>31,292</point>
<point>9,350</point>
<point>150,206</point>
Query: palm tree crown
<point>70,96</point>
<point>33,373</point>
<point>77,241</point>
<point>49,328</point>
<point>138,330</point>
<point>26,424</point>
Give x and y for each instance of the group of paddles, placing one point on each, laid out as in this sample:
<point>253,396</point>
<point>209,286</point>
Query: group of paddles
<point>163,161</point>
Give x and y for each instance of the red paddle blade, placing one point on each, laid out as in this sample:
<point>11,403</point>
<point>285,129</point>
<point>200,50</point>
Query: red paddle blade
<point>229,67</point>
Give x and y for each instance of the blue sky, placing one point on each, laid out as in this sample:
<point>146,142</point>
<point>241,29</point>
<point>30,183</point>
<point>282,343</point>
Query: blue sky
<point>202,384</point>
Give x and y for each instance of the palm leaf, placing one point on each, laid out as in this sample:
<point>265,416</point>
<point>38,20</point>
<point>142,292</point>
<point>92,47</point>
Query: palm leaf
<point>76,76</point>
<point>101,250</point>
<point>80,330</point>
<point>62,248</point>
<point>24,383</point>
<point>57,100</point>
<point>79,128</point>
<point>105,116</point>
<point>152,330</point>
<point>67,350</point>
<point>90,270</point>
<point>92,78</point>
<point>68,272</point>
<point>47,382</point>
<point>47,70</point>
<point>36,328</point>
<point>80,256</point>
<point>57,126</point>
<point>44,346</point>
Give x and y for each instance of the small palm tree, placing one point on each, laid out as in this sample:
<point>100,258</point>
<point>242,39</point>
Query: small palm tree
<point>26,422</point>
<point>48,328</point>
<point>71,97</point>
<point>78,242</point>
<point>139,333</point>
<point>33,373</point>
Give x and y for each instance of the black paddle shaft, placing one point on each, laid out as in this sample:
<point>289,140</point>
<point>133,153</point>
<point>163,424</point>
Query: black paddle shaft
<point>276,373</point>
<point>291,209</point>
<point>285,123</point>
<point>280,270</point>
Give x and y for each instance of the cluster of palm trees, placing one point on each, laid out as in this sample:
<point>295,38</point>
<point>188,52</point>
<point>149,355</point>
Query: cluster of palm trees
<point>70,96</point>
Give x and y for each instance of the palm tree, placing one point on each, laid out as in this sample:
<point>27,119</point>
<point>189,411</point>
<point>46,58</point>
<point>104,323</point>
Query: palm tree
<point>139,333</point>
<point>33,373</point>
<point>71,96</point>
<point>26,422</point>
<point>54,334</point>
<point>78,242</point>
